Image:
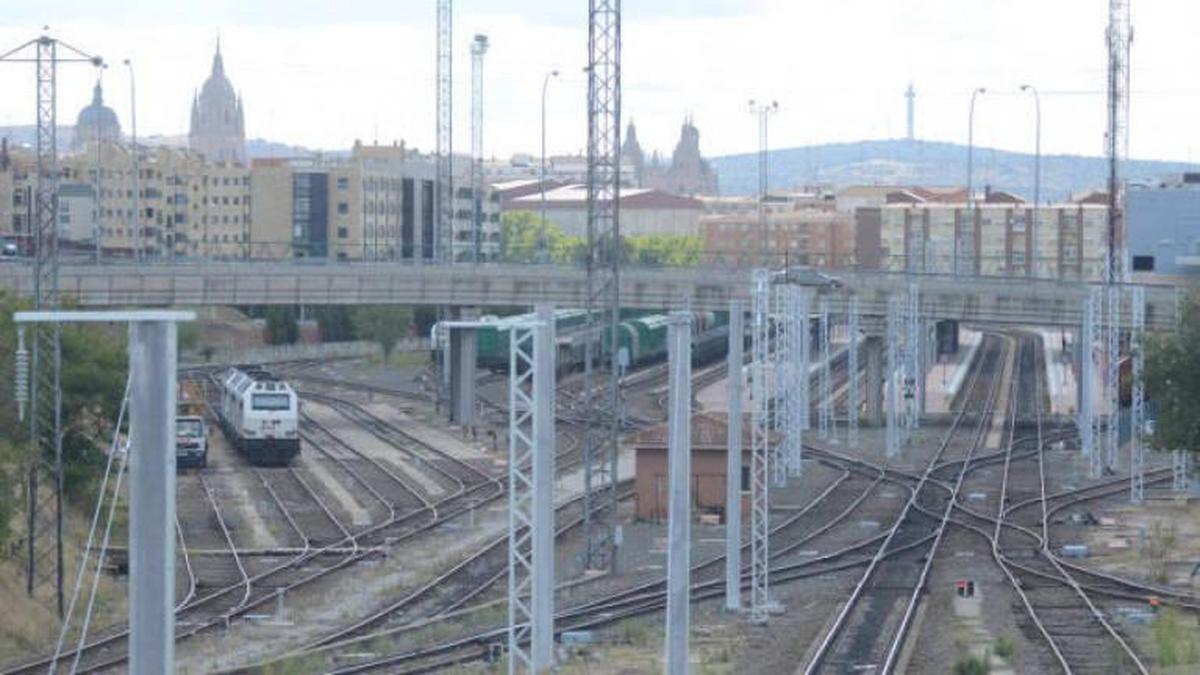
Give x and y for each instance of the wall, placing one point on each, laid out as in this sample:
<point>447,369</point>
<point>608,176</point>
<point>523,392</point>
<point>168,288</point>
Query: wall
<point>1164,222</point>
<point>708,482</point>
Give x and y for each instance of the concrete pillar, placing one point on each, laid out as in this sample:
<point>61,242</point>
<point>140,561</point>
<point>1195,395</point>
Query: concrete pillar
<point>545,391</point>
<point>873,345</point>
<point>733,464</point>
<point>679,514</point>
<point>152,498</point>
<point>462,376</point>
<point>924,361</point>
<point>462,370</point>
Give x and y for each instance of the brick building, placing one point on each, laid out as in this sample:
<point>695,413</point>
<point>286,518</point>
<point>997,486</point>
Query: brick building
<point>709,452</point>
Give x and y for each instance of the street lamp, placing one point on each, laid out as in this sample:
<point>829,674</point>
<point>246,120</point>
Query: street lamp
<point>763,111</point>
<point>137,169</point>
<point>958,252</point>
<point>543,254</point>
<point>97,226</point>
<point>1031,234</point>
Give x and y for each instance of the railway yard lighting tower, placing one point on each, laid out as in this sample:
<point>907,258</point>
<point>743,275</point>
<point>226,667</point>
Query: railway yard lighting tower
<point>479,47</point>
<point>763,112</point>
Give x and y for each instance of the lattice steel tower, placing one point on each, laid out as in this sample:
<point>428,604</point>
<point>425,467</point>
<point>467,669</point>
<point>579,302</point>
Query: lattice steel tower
<point>603,278</point>
<point>44,540</point>
<point>444,238</point>
<point>479,47</point>
<point>1119,36</point>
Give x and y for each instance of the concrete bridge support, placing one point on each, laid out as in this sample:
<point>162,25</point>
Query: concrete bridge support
<point>462,367</point>
<point>873,345</point>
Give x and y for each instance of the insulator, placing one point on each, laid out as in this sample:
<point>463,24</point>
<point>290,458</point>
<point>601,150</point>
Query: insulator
<point>22,374</point>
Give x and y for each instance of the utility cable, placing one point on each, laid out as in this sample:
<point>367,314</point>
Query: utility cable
<point>62,633</point>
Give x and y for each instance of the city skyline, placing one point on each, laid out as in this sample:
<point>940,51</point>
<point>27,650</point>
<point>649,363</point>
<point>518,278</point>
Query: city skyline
<point>300,73</point>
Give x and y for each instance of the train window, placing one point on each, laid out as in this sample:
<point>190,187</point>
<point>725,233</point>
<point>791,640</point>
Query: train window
<point>270,401</point>
<point>189,428</point>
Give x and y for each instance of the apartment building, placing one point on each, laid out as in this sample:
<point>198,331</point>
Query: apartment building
<point>1000,235</point>
<point>186,207</point>
<point>803,236</point>
<point>379,203</point>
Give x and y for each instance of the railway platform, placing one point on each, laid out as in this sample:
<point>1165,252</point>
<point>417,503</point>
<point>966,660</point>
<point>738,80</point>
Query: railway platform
<point>945,377</point>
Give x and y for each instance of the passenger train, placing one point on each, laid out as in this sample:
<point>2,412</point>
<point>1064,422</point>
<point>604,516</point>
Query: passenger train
<point>259,414</point>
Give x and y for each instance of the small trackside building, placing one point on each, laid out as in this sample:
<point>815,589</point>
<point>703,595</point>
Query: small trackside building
<point>709,452</point>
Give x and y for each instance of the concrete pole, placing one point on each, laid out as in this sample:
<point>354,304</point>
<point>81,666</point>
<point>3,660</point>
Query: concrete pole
<point>152,498</point>
<point>543,490</point>
<point>679,515</point>
<point>852,367</point>
<point>733,464</point>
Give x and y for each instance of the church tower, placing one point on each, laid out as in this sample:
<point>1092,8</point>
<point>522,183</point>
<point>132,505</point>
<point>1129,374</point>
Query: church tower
<point>218,129</point>
<point>631,153</point>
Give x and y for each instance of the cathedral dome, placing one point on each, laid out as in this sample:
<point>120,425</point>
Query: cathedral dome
<point>96,118</point>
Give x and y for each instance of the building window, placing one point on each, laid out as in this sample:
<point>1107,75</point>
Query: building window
<point>343,208</point>
<point>342,233</point>
<point>343,183</point>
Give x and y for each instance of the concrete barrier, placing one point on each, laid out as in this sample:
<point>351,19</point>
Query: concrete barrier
<point>300,352</point>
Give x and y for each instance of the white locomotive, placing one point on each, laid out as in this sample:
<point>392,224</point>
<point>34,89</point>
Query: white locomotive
<point>259,414</point>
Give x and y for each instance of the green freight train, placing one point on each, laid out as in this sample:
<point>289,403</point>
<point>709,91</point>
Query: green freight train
<point>643,335</point>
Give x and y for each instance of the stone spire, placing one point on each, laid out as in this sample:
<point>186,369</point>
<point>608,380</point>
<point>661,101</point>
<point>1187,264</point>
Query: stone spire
<point>218,129</point>
<point>631,152</point>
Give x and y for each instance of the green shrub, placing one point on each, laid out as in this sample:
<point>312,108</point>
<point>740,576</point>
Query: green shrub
<point>973,665</point>
<point>1005,648</point>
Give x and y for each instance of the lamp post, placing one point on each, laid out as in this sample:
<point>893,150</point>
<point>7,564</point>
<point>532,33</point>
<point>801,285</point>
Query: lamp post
<point>763,111</point>
<point>543,254</point>
<point>958,252</point>
<point>1031,234</point>
<point>137,169</point>
<point>97,226</point>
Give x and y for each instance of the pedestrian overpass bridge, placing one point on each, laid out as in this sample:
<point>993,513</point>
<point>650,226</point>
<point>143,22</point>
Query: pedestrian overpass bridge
<point>982,300</point>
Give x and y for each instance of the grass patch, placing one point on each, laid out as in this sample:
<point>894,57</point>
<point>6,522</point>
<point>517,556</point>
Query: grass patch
<point>1176,641</point>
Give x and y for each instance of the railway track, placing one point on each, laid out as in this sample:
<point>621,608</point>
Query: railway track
<point>222,588</point>
<point>1059,610</point>
<point>872,626</point>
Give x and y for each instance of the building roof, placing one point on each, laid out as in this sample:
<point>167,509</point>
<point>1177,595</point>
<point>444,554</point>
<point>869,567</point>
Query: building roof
<point>709,432</point>
<point>574,196</point>
<point>520,187</point>
<point>808,216</point>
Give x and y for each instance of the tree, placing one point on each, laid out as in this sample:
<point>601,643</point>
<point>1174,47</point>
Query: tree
<point>94,369</point>
<point>668,250</point>
<point>335,323</point>
<point>519,234</point>
<point>1173,380</point>
<point>383,324</point>
<point>281,326</point>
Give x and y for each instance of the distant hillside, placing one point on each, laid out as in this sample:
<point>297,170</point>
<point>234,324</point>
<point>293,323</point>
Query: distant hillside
<point>927,163</point>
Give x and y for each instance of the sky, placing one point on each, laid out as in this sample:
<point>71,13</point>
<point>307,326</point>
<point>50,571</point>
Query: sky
<point>322,74</point>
